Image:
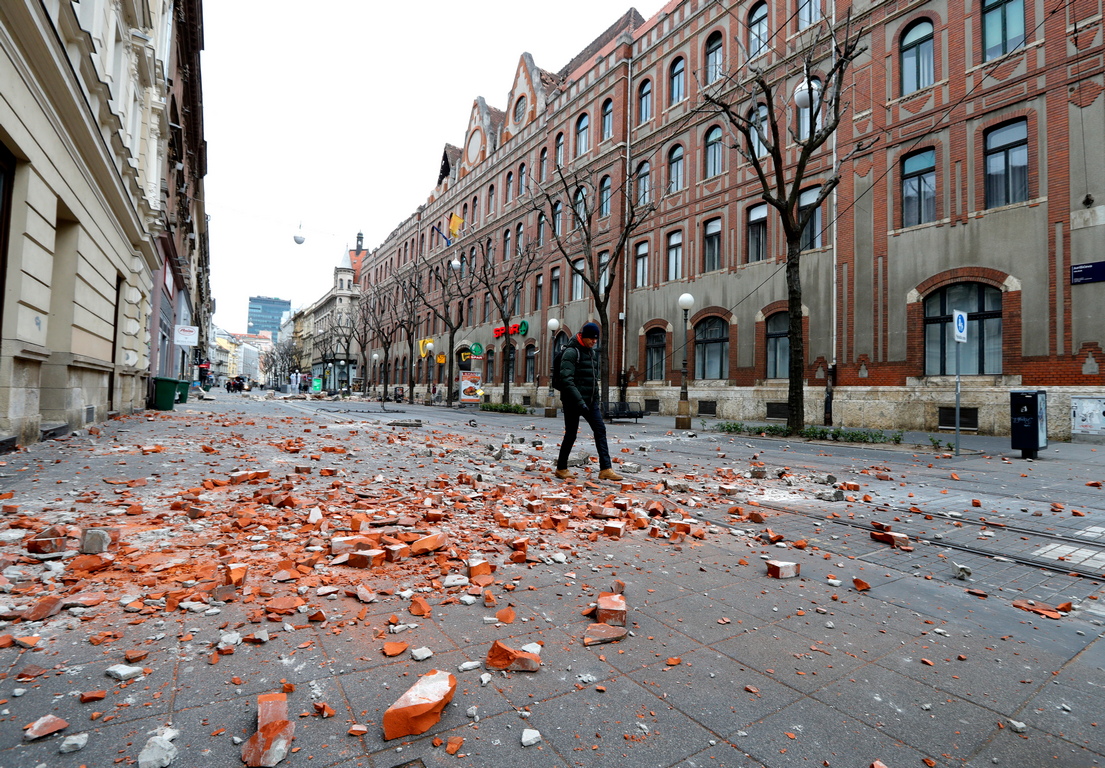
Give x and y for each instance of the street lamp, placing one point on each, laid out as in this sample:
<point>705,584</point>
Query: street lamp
<point>343,369</point>
<point>553,325</point>
<point>329,376</point>
<point>429,362</point>
<point>683,414</point>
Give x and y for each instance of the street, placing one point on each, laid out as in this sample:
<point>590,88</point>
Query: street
<point>966,632</point>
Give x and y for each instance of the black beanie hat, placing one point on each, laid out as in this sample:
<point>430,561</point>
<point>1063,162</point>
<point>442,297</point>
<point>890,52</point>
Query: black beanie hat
<point>590,331</point>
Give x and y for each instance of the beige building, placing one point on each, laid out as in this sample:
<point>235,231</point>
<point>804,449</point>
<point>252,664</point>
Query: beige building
<point>83,136</point>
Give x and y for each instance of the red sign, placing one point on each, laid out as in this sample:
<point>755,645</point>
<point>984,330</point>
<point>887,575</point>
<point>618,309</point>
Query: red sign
<point>522,328</point>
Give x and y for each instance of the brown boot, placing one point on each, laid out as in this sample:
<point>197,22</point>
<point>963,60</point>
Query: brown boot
<point>565,474</point>
<point>609,474</point>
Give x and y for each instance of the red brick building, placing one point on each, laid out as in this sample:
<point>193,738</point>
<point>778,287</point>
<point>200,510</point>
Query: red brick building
<point>971,178</point>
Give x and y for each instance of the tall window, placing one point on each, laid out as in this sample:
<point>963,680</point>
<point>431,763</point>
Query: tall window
<point>809,12</point>
<point>1002,27</point>
<point>531,364</point>
<point>579,208</point>
<point>604,196</point>
<point>917,62</point>
<point>714,66</point>
<point>644,189</point>
<point>559,150</point>
<point>711,349</point>
<point>491,200</point>
<point>675,256</point>
<point>577,279</point>
<point>656,342</point>
<point>757,30</point>
<point>607,119</point>
<point>757,233</point>
<point>1007,164</point>
<point>470,312</point>
<point>981,353</point>
<point>644,102</point>
<point>677,81</point>
<point>919,188</point>
<point>518,241</point>
<point>540,229</point>
<point>487,305</point>
<point>711,245</point>
<point>508,363</point>
<point>516,304</point>
<point>507,188</point>
<point>811,233</point>
<point>640,264</point>
<point>538,293</point>
<point>520,109</point>
<point>489,366</point>
<point>713,152</point>
<point>604,270</point>
<point>554,287</point>
<point>583,125</point>
<point>521,179</point>
<point>778,346</point>
<point>557,218</point>
<point>675,169</point>
<point>812,114</point>
<point>507,253</point>
<point>758,117</point>
<point>543,166</point>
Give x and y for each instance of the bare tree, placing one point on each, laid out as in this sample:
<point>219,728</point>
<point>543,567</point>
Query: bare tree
<point>406,318</point>
<point>504,282</point>
<point>572,204</point>
<point>749,98</point>
<point>377,313</point>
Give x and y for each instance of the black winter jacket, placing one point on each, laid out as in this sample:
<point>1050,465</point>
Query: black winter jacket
<point>579,374</point>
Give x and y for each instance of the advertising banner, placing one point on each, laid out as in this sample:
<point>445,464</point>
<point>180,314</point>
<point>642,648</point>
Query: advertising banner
<point>469,386</point>
<point>185,335</point>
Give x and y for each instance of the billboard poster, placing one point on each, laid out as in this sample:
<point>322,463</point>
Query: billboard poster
<point>470,386</point>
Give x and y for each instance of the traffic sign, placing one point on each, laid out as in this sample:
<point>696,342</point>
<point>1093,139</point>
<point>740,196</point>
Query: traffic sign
<point>960,319</point>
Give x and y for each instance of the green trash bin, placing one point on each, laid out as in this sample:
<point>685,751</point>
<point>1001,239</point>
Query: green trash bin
<point>164,393</point>
<point>182,390</point>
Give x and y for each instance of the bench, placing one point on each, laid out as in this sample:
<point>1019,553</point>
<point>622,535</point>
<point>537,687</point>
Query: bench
<point>624,411</point>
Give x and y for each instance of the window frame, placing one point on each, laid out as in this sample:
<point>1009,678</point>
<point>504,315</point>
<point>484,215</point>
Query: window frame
<point>777,345</point>
<point>640,264</point>
<point>676,165</point>
<point>1007,43</point>
<point>714,56</point>
<point>605,194</point>
<point>673,253</point>
<point>554,287</point>
<point>982,326</point>
<point>711,352</point>
<point>711,245</point>
<point>757,30</point>
<point>912,58</point>
<point>677,81</point>
<point>811,233</point>
<point>808,13</point>
<point>644,102</point>
<point>1019,145</point>
<point>656,354</point>
<point>583,134</point>
<point>578,287</point>
<point>607,119</point>
<point>914,186</point>
<point>712,155</point>
<point>558,150</point>
<point>643,182</point>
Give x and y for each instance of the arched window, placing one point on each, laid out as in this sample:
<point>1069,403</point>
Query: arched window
<point>475,215</point>
<point>757,30</point>
<point>518,244</point>
<point>1002,27</point>
<point>644,102</point>
<point>675,255</point>
<point>713,152</point>
<point>507,188</point>
<point>543,166</point>
<point>812,114</point>
<point>521,179</point>
<point>919,188</point>
<point>916,61</point>
<point>531,363</point>
<point>579,208</point>
<point>1007,164</point>
<point>677,81</point>
<point>583,142</point>
<point>758,133</point>
<point>559,149</point>
<point>491,200</point>
<point>540,229</point>
<point>506,245</point>
<point>656,342</point>
<point>711,349</point>
<point>520,109</point>
<point>981,353</point>
<point>604,196</point>
<point>809,11</point>
<point>577,279</point>
<point>557,218</point>
<point>640,265</point>
<point>675,169</point>
<point>644,171</point>
<point>711,245</point>
<point>489,366</point>
<point>714,65</point>
<point>508,363</point>
<point>811,233</point>
<point>560,343</point>
<point>757,233</point>
<point>778,346</point>
<point>607,119</point>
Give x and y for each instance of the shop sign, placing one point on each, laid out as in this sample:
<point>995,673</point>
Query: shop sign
<point>521,328</point>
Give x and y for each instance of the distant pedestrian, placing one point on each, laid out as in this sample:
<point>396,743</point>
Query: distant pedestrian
<point>229,386</point>
<point>580,388</point>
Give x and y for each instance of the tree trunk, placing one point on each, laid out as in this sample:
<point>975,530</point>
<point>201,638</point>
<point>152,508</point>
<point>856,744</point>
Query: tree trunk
<point>604,358</point>
<point>508,368</point>
<point>410,369</point>
<point>796,406</point>
<point>452,362</point>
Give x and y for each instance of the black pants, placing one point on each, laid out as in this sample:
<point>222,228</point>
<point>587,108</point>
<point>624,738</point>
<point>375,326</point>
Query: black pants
<point>593,415</point>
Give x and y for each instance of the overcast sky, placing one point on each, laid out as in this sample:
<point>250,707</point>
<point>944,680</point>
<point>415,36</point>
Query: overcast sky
<point>332,115</point>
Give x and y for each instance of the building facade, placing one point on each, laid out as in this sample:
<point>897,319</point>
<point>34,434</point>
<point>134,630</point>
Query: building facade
<point>952,196</point>
<point>266,313</point>
<point>85,125</point>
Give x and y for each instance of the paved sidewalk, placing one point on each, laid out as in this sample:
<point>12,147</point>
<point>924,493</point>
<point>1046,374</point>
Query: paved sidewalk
<point>723,665</point>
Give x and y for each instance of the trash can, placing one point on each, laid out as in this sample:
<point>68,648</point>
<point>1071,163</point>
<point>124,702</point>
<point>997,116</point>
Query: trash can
<point>1028,422</point>
<point>164,393</point>
<point>182,391</point>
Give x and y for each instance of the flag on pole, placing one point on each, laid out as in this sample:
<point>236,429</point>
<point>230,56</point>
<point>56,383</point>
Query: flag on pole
<point>448,241</point>
<point>455,223</point>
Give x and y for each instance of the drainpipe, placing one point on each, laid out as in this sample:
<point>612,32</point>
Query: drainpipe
<point>627,190</point>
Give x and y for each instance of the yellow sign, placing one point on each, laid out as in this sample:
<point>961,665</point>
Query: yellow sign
<point>464,356</point>
<point>422,347</point>
<point>441,359</point>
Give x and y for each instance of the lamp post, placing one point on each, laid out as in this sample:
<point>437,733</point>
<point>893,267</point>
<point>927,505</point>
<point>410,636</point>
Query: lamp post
<point>343,374</point>
<point>329,376</point>
<point>429,362</point>
<point>683,413</point>
<point>553,326</point>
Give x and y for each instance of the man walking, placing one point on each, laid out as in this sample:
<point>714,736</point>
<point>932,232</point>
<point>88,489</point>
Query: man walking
<point>580,389</point>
